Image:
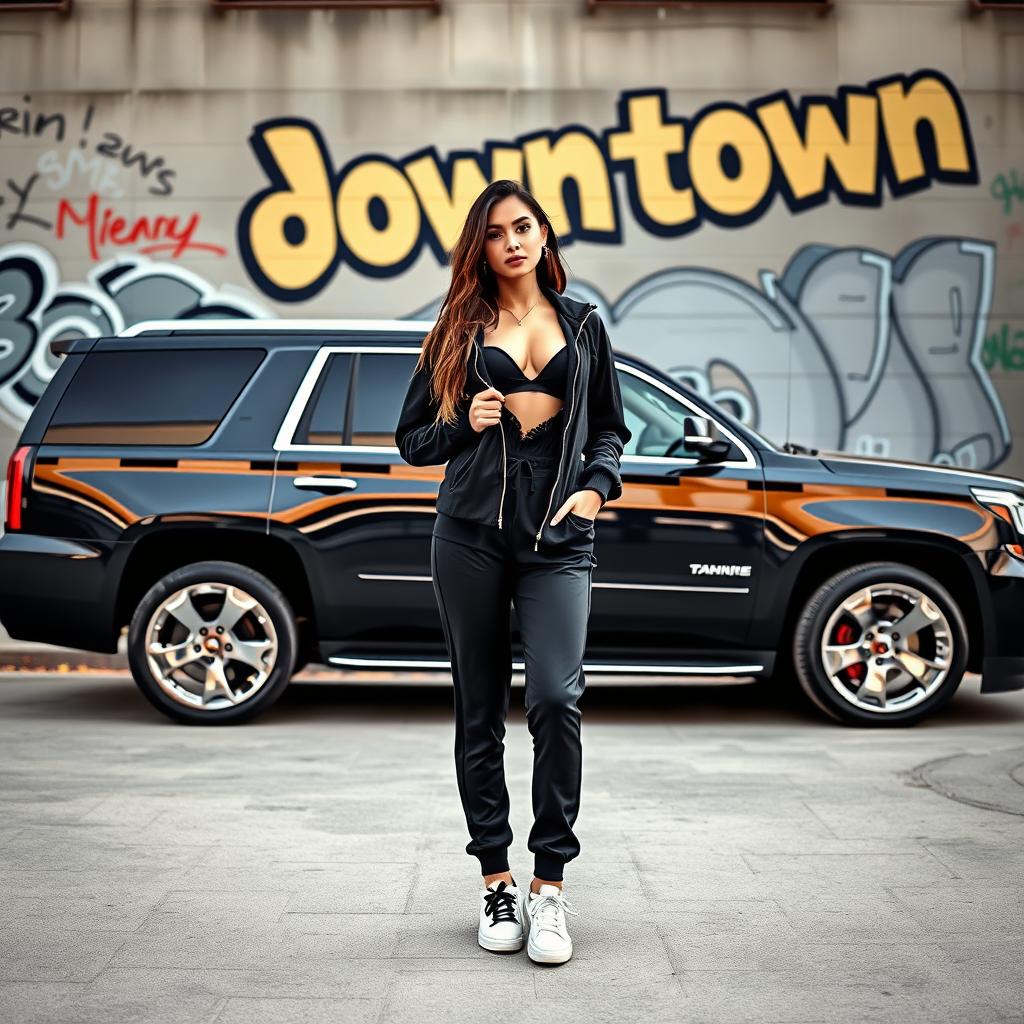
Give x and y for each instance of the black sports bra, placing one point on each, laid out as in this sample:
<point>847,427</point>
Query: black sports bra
<point>509,378</point>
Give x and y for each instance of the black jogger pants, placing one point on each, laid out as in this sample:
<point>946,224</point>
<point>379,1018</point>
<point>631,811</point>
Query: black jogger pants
<point>478,570</point>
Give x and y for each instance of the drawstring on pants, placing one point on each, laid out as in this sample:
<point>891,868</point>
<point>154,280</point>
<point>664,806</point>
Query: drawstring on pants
<point>521,462</point>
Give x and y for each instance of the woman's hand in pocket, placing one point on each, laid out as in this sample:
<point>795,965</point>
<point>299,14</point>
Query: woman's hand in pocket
<point>585,504</point>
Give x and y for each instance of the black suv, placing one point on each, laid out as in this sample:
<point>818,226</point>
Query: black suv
<point>230,491</point>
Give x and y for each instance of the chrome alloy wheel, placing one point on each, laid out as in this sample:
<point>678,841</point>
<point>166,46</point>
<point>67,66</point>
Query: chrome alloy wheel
<point>211,646</point>
<point>887,647</point>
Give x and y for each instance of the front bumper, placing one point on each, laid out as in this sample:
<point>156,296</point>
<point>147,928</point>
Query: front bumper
<point>1002,602</point>
<point>1002,674</point>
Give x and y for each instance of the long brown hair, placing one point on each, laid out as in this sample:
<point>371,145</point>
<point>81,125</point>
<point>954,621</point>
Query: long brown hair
<point>472,299</point>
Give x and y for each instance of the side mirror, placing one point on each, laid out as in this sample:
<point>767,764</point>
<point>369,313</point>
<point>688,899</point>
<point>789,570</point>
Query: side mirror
<point>698,441</point>
<point>695,431</point>
<point>715,451</point>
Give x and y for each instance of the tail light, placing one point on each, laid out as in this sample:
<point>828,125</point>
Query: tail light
<point>15,478</point>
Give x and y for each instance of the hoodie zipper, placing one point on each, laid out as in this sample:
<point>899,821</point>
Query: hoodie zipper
<point>565,431</point>
<point>501,428</point>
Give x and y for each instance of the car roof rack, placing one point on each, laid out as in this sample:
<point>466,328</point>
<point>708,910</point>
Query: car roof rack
<point>293,326</point>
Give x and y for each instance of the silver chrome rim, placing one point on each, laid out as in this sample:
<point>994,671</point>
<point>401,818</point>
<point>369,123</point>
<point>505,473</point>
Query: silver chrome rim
<point>211,646</point>
<point>886,648</point>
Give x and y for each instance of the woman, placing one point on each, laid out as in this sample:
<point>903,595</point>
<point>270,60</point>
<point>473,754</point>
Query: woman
<point>515,389</point>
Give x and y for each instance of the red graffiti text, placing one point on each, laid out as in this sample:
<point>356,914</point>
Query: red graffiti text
<point>106,227</point>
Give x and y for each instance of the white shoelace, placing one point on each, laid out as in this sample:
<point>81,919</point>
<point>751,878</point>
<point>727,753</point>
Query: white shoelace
<point>545,910</point>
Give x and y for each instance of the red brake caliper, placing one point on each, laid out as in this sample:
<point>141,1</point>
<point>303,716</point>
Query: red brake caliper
<point>844,635</point>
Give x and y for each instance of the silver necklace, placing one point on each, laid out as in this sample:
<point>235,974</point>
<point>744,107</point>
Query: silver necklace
<point>518,320</point>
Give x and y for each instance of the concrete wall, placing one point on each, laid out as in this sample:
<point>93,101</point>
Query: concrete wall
<point>871,302</point>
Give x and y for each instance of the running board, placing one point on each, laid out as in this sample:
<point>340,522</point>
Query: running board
<point>740,668</point>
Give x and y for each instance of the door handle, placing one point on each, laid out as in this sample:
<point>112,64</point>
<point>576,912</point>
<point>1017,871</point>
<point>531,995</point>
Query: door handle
<point>326,483</point>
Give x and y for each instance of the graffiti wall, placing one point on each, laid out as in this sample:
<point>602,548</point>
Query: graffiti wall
<point>841,268</point>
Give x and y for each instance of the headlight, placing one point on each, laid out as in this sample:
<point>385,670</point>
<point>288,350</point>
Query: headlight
<point>1013,503</point>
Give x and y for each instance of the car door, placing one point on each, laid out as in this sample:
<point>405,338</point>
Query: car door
<point>356,508</point>
<point>679,553</point>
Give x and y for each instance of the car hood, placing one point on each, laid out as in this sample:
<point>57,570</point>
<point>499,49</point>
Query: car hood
<point>893,473</point>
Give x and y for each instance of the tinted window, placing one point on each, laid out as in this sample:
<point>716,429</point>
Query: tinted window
<point>380,391</point>
<point>155,396</point>
<point>323,419</point>
<point>656,420</point>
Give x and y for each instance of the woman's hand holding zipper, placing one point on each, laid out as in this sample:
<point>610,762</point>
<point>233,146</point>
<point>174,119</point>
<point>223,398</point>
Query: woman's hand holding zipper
<point>485,409</point>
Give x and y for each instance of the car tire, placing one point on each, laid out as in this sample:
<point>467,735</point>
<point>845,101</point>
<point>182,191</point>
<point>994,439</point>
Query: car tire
<point>198,674</point>
<point>854,662</point>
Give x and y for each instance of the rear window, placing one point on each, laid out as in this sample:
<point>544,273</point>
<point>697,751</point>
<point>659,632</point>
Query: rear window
<point>364,414</point>
<point>383,380</point>
<point>151,397</point>
<point>323,419</point>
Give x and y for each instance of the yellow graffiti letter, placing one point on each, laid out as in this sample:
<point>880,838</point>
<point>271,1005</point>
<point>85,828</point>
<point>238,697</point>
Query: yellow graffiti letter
<point>378,246</point>
<point>292,234</point>
<point>928,100</point>
<point>730,196</point>
<point>575,155</point>
<point>649,142</point>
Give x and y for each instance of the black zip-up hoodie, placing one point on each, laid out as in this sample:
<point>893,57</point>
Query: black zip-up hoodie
<point>593,436</point>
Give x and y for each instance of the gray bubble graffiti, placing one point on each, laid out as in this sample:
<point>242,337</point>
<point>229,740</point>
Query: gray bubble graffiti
<point>847,349</point>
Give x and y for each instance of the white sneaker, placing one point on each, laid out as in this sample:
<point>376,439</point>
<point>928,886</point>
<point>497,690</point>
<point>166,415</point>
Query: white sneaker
<point>501,917</point>
<point>549,941</point>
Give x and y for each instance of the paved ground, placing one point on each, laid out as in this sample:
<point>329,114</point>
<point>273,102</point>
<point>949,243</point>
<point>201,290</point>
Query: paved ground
<point>740,863</point>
